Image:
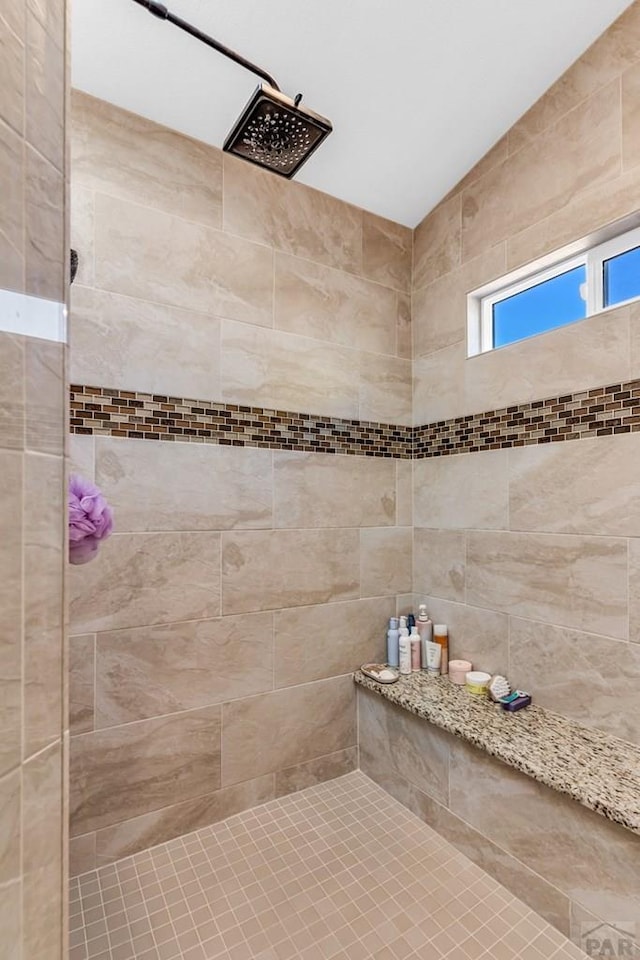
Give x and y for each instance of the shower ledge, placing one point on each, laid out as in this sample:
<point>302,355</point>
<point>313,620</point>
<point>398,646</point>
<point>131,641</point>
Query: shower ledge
<point>599,771</point>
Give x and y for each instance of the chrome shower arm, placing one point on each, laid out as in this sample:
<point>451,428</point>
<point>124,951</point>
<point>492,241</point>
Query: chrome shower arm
<point>159,10</point>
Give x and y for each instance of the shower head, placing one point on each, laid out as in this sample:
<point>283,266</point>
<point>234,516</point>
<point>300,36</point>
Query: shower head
<point>274,131</point>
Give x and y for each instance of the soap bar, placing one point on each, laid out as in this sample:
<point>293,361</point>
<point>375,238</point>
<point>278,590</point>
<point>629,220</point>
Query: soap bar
<point>523,700</point>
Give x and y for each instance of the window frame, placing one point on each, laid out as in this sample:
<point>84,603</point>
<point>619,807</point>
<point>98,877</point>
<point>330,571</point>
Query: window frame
<point>480,303</point>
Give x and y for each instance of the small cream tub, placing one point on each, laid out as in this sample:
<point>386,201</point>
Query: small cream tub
<point>478,682</point>
<point>458,670</point>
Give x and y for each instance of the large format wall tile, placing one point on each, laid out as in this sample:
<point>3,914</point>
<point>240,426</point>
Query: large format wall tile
<point>437,245</point>
<point>570,581</point>
<point>438,384</point>
<point>10,826</point>
<point>591,679</point>
<point>439,561</point>
<point>140,833</point>
<point>281,729</point>
<point>204,487</point>
<point>316,490</point>
<point>124,771</point>
<point>12,407</point>
<point>12,63</point>
<point>267,570</point>
<point>127,156</point>
<point>12,177</point>
<point>43,603</point>
<point>328,304</point>
<point>469,490</point>
<point>386,251</point>
<point>481,636</point>
<point>11,610</point>
<point>400,744</point>
<point>111,336</point>
<point>581,149</point>
<point>385,389</point>
<point>211,271</point>
<point>330,639</point>
<point>46,81</point>
<point>280,371</point>
<point>81,683</point>
<point>634,590</point>
<point>592,860</point>
<point>152,671</point>
<point>303,775</point>
<point>45,396</point>
<point>544,479</point>
<point>42,854</point>
<point>44,213</point>
<point>385,560</point>
<point>145,578</point>
<point>291,216</point>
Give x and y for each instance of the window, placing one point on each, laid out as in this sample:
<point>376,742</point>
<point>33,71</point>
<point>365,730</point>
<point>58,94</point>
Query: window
<point>518,307</point>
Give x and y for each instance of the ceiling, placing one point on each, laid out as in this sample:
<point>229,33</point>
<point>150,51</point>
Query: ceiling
<point>417,90</point>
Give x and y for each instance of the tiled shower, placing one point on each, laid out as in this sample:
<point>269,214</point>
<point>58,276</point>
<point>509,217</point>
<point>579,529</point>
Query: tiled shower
<point>272,390</point>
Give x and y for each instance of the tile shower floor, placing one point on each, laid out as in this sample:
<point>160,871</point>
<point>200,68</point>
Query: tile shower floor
<point>340,870</point>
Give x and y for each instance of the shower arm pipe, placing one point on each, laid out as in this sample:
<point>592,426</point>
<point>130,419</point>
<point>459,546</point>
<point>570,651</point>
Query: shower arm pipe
<point>159,10</point>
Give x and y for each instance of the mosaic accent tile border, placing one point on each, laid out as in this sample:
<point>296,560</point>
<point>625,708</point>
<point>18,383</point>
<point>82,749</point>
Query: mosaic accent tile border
<point>602,411</point>
<point>122,413</point>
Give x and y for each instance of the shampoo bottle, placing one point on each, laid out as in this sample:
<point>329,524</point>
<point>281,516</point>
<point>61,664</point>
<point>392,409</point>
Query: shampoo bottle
<point>416,655</point>
<point>393,635</point>
<point>434,653</point>
<point>425,630</point>
<point>441,637</point>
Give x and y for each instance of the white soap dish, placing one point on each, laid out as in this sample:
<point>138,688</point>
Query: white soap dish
<point>380,672</point>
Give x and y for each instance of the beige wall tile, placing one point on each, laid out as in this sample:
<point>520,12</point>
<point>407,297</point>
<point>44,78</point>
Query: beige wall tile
<point>385,389</point>
<point>402,745</point>
<point>279,370</point>
<point>591,679</point>
<point>144,578</point>
<point>82,854</point>
<point>634,330</point>
<point>81,684</point>
<point>140,833</point>
<point>597,477</point>
<point>571,581</point>
<point>152,671</point>
<point>579,221</point>
<point>12,67</point>
<point>468,490</point>
<point>385,561</point>
<point>634,590</point>
<point>321,490</point>
<point>437,243</point>
<point>630,116</point>
<point>204,486</point>
<point>304,775</point>
<point>44,566</point>
<point>42,855</point>
<point>602,62</point>
<point>439,564</point>
<point>582,149</point>
<point>46,78</point>
<point>266,570</point>
<point>44,219</point>
<point>127,156</point>
<point>403,330</point>
<point>386,251</point>
<point>291,217</point>
<point>440,309</point>
<point>593,351</point>
<point>110,337</point>
<point>556,837</point>
<point>81,455</point>
<point>11,260</point>
<point>45,396</point>
<point>211,272</point>
<point>492,158</point>
<point>475,634</point>
<point>328,640</point>
<point>10,827</point>
<point>404,493</point>
<point>328,304</point>
<point>11,917</point>
<point>82,232</point>
<point>11,610</point>
<point>125,771</point>
<point>438,385</point>
<point>288,727</point>
<point>12,176</point>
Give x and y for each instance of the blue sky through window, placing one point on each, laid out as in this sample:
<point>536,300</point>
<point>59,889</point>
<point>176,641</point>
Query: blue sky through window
<point>622,277</point>
<point>552,303</point>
